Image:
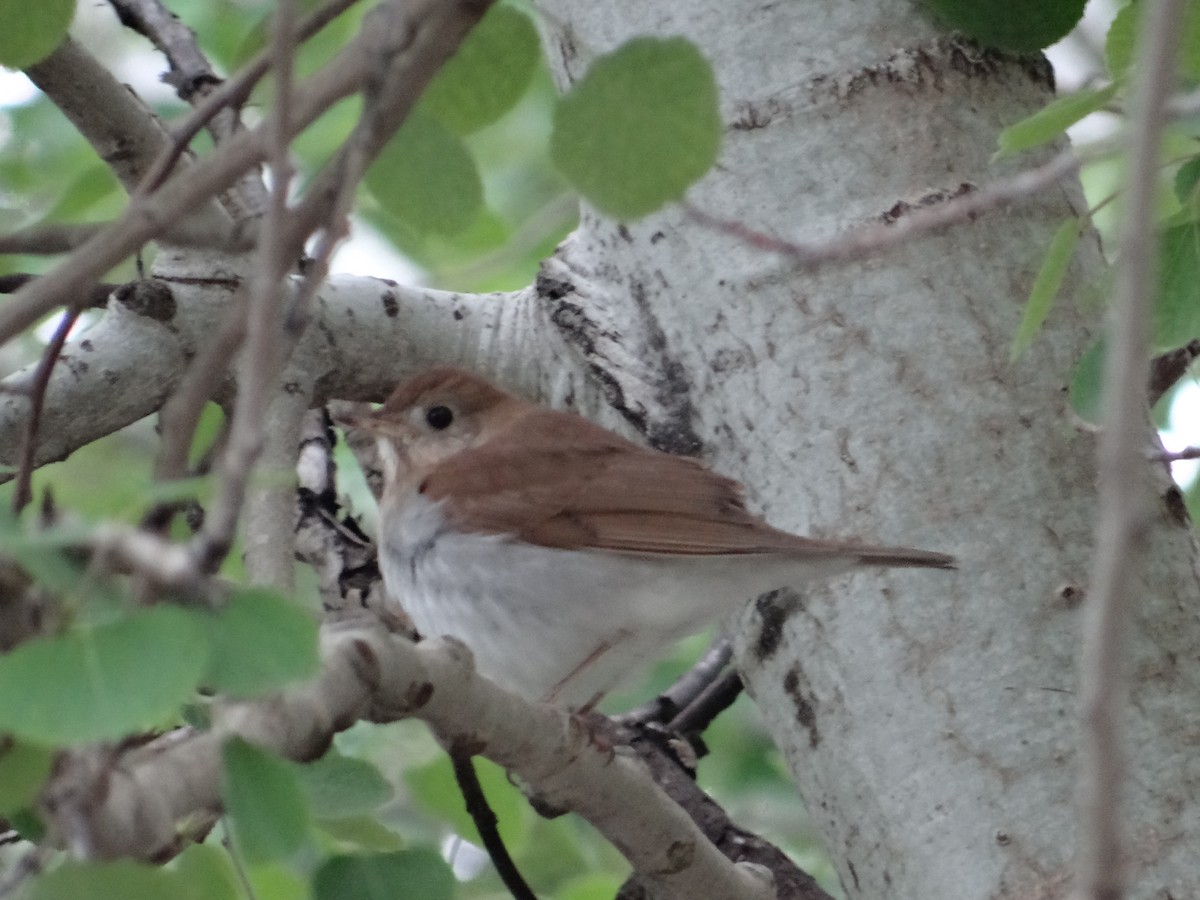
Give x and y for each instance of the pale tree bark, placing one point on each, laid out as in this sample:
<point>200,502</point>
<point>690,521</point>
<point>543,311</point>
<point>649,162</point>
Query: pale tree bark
<point>930,722</point>
<point>929,719</point>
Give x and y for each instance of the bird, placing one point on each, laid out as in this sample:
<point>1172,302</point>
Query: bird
<point>564,555</point>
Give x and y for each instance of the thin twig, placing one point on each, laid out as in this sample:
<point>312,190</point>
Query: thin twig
<point>239,865</point>
<point>97,297</point>
<point>193,77</point>
<point>690,685</point>
<point>712,701</point>
<point>1124,496</point>
<point>415,38</point>
<point>122,130</point>
<point>486,823</point>
<point>181,413</point>
<point>264,351</point>
<point>879,236</point>
<point>966,204</point>
<point>48,240</point>
<point>23,491</point>
<point>232,93</point>
<point>1170,456</point>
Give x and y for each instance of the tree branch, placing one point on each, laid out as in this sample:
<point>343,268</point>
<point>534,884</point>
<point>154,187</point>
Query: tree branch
<point>412,38</point>
<point>370,673</point>
<point>194,80</point>
<point>23,492</point>
<point>122,130</point>
<point>367,335</point>
<point>1124,492</point>
<point>904,222</point>
<point>231,94</point>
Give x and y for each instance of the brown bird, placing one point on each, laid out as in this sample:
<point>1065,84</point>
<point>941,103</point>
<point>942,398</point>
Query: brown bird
<point>562,554</point>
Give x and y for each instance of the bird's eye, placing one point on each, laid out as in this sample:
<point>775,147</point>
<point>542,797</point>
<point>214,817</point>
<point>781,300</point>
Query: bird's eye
<point>439,417</point>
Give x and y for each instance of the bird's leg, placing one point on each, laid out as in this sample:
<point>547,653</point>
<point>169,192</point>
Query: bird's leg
<point>603,647</point>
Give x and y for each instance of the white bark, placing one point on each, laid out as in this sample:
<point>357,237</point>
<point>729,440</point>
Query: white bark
<point>929,720</point>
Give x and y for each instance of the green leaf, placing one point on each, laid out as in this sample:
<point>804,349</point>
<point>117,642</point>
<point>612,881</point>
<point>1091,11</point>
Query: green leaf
<point>27,823</point>
<point>420,873</point>
<point>1121,43</point>
<point>266,807</point>
<point>363,832</point>
<point>1052,121</point>
<point>487,75</point>
<point>1118,45</point>
<point>23,771</point>
<point>104,881</point>
<point>208,430</point>
<point>199,487</point>
<point>275,881</point>
<point>434,787</point>
<point>40,552</point>
<point>200,873</point>
<point>260,642</point>
<point>1087,383</point>
<point>1021,26</point>
<point>1186,179</point>
<point>204,872</point>
<point>339,786</point>
<point>640,127</point>
<point>595,886</point>
<point>1177,306</point>
<point>84,192</point>
<point>426,177</point>
<point>103,682</point>
<point>32,30</point>
<point>1045,286</point>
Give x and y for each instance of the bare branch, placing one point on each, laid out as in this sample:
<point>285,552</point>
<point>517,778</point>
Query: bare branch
<point>1124,493</point>
<point>690,685</point>
<point>191,73</point>
<point>487,824</point>
<point>231,93</point>
<point>677,779</point>
<point>1170,456</point>
<point>124,132</point>
<point>181,412</point>
<point>370,673</point>
<point>268,550</point>
<point>46,240</point>
<point>904,222</point>
<point>371,334</point>
<point>23,491</point>
<point>413,38</point>
<point>97,297</point>
<point>193,78</point>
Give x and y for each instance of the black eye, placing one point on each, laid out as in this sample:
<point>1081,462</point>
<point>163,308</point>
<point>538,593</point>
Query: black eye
<point>439,417</point>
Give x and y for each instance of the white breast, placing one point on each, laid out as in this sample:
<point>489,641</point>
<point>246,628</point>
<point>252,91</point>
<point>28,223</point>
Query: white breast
<point>558,625</point>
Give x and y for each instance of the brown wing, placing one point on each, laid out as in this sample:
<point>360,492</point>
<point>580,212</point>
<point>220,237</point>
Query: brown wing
<point>560,481</point>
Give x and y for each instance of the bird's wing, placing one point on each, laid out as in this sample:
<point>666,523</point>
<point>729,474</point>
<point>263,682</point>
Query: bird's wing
<point>579,486</point>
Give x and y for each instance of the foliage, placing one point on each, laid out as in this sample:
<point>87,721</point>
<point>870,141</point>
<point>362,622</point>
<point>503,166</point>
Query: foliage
<point>32,30</point>
<point>1023,26</point>
<point>476,188</point>
<point>639,127</point>
<point>1177,303</point>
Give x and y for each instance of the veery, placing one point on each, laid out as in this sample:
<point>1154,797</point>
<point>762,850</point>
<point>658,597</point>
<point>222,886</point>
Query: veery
<point>561,553</point>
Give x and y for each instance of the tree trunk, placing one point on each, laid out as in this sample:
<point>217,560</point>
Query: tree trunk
<point>930,720</point>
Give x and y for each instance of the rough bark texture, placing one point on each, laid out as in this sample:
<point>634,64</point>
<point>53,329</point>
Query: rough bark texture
<point>929,720</point>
